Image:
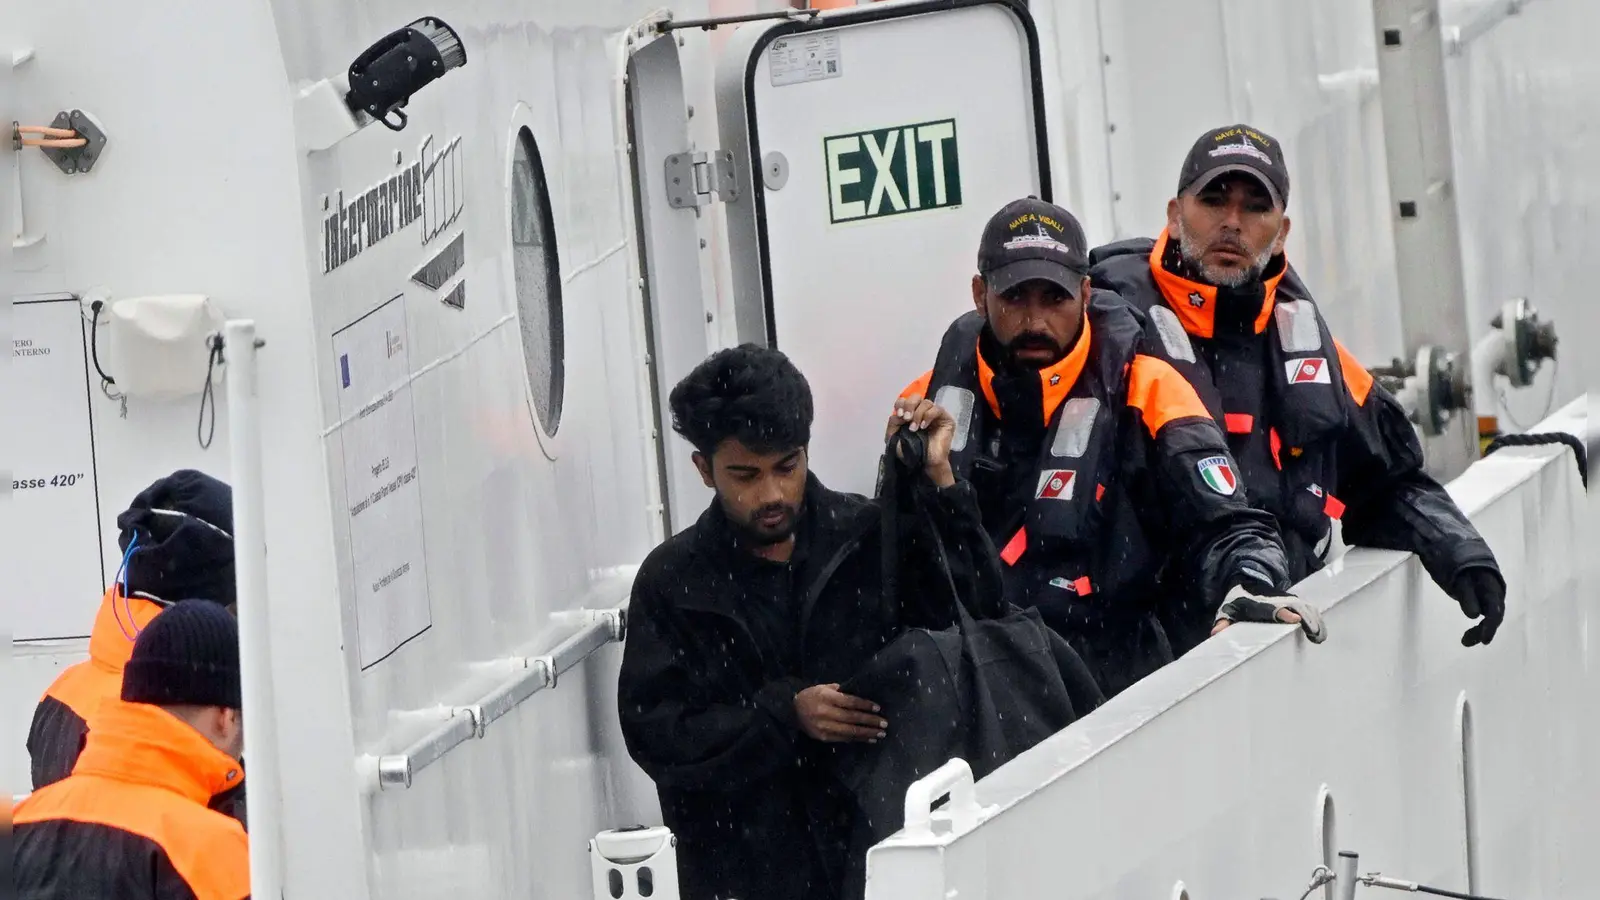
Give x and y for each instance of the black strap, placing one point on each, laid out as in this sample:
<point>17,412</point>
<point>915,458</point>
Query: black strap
<point>904,451</point>
<point>1551,437</point>
<point>907,450</point>
<point>901,443</point>
<point>814,591</point>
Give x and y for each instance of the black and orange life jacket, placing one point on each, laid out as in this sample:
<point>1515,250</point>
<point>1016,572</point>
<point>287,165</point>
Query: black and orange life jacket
<point>1282,388</point>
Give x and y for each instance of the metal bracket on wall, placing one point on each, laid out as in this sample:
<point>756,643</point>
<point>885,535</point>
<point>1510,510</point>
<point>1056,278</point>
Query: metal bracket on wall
<point>1529,342</point>
<point>696,178</point>
<point>1433,388</point>
<point>667,25</point>
<point>73,160</point>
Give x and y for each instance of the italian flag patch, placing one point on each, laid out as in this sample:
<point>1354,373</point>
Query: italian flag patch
<point>1218,475</point>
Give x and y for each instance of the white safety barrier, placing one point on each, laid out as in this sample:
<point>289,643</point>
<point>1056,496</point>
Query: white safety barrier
<point>1234,772</point>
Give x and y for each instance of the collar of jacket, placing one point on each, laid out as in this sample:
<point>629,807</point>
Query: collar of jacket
<point>828,519</point>
<point>142,744</point>
<point>1195,302</point>
<point>118,622</point>
<point>1055,381</point>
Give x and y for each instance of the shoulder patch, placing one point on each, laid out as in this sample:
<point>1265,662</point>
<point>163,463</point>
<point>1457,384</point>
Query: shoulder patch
<point>1056,484</point>
<point>1075,427</point>
<point>1173,337</point>
<point>1307,370</point>
<point>1297,326</point>
<point>958,402</point>
<point>1218,475</point>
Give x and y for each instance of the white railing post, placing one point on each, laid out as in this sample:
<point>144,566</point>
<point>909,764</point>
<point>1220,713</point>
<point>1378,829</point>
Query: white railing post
<point>263,786</point>
<point>919,861</point>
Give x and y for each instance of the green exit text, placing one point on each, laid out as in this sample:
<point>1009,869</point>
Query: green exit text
<point>890,171</point>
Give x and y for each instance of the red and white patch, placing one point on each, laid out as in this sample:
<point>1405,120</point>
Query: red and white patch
<point>1312,370</point>
<point>1056,484</point>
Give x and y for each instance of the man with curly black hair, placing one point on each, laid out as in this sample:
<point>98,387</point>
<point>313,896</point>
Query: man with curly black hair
<point>742,628</point>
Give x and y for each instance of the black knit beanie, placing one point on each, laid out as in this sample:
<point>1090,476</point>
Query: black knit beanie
<point>187,655</point>
<point>184,527</point>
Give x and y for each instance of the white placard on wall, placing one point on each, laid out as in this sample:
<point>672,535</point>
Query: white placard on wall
<point>378,439</point>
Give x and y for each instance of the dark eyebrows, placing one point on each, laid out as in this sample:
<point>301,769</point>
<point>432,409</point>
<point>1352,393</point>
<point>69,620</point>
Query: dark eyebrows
<point>789,460</point>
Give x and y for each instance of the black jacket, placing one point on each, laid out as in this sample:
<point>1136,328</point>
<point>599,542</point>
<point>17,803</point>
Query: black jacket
<point>1107,484</point>
<point>706,697</point>
<point>1316,437</point>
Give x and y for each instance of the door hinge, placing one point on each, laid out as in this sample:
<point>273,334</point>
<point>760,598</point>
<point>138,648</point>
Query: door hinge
<point>700,176</point>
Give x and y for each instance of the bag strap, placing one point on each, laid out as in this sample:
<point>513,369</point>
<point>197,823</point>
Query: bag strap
<point>913,448</point>
<point>814,591</point>
<point>888,524</point>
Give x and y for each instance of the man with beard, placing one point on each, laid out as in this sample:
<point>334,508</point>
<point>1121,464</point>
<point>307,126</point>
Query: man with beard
<point>1097,468</point>
<point>729,691</point>
<point>1316,438</point>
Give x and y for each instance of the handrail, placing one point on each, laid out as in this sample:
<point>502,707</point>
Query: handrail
<point>1456,38</point>
<point>264,785</point>
<point>465,723</point>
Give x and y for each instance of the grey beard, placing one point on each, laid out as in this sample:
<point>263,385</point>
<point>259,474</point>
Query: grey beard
<point>1228,279</point>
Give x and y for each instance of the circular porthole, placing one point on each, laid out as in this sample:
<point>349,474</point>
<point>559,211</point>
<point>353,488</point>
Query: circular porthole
<point>536,267</point>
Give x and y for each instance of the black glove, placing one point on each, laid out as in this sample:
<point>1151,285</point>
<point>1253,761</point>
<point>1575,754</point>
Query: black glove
<point>1256,602</point>
<point>1481,592</point>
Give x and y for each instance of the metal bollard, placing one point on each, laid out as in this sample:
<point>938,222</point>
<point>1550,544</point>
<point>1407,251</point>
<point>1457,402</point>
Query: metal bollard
<point>1345,877</point>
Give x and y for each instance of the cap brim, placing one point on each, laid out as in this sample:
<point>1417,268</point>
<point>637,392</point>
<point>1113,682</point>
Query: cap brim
<point>1023,270</point>
<point>1211,175</point>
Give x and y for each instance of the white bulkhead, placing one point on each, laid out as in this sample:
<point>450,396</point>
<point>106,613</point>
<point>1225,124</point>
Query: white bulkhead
<point>471,324</point>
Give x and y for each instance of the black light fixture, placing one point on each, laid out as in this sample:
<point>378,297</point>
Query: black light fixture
<point>383,78</point>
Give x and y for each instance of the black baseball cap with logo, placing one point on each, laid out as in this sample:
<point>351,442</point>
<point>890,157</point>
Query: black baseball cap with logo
<point>1029,240</point>
<point>1236,148</point>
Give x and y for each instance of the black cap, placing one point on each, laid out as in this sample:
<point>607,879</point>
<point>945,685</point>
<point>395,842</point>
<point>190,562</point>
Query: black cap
<point>188,655</point>
<point>1236,148</point>
<point>1030,239</point>
<point>184,527</point>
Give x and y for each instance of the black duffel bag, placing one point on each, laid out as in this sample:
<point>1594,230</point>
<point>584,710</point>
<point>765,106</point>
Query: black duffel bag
<point>983,690</point>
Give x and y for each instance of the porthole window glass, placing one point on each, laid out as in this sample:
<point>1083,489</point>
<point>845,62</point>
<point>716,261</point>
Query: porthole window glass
<point>537,270</point>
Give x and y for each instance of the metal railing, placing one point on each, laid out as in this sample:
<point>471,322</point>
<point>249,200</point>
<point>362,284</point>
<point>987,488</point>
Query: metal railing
<point>537,673</point>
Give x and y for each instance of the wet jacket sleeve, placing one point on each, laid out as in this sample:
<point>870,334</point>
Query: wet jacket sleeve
<point>1390,502</point>
<point>686,727</point>
<point>1220,540</point>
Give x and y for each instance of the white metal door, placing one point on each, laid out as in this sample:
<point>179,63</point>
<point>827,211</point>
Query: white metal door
<point>871,145</point>
<point>668,219</point>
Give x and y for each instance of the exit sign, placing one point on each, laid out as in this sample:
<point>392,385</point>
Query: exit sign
<point>890,171</point>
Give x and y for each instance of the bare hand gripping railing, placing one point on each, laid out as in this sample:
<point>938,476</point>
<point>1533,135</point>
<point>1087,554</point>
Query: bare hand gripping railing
<point>464,723</point>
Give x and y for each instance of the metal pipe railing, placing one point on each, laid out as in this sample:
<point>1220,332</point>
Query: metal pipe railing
<point>263,786</point>
<point>465,723</point>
